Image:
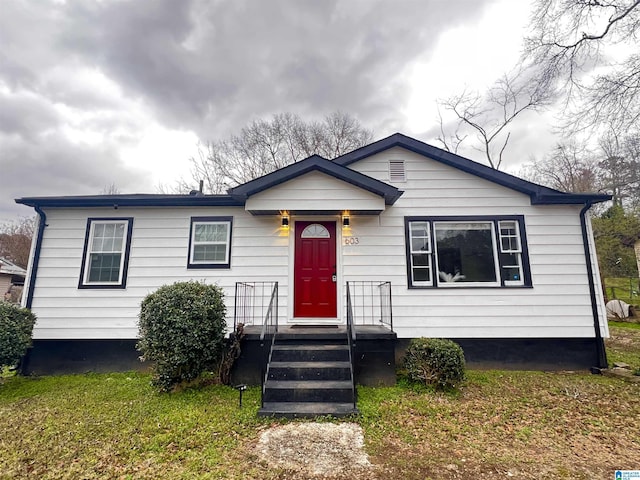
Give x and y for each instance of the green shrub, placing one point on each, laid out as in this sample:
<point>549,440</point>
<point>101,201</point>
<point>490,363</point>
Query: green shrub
<point>436,362</point>
<point>16,326</point>
<point>181,330</point>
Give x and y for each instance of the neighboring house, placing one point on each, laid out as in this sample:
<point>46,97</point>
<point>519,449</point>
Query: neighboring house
<point>11,280</point>
<point>505,267</point>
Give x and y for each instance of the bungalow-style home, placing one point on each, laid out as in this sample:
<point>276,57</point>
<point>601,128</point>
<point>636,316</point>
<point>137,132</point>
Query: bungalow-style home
<point>395,240</point>
<point>11,280</point>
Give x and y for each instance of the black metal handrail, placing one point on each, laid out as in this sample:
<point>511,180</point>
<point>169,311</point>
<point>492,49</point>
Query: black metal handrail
<point>268,336</point>
<point>371,302</point>
<point>351,341</point>
<point>252,302</point>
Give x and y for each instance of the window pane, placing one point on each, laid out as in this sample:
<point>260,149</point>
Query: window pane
<point>421,260</point>
<point>422,275</point>
<point>104,267</point>
<point>420,244</point>
<point>209,253</point>
<point>511,274</point>
<point>419,229</point>
<point>210,232</point>
<point>509,236</point>
<point>465,252</point>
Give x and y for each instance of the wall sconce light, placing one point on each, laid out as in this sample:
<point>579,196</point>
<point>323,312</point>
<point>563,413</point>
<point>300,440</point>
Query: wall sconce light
<point>285,221</point>
<point>346,221</point>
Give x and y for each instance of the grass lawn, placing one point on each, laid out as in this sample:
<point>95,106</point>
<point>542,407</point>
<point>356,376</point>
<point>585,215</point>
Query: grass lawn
<point>499,425</point>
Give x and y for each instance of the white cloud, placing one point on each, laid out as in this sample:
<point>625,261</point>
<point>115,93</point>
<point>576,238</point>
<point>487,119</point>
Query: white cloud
<point>469,56</point>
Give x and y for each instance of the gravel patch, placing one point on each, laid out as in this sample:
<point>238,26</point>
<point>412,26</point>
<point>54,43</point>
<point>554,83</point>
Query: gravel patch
<point>318,449</point>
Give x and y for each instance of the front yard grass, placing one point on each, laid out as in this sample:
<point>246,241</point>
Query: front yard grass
<point>500,424</point>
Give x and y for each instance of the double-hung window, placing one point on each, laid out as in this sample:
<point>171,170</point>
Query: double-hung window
<point>420,253</point>
<point>454,252</point>
<point>106,253</point>
<point>210,242</point>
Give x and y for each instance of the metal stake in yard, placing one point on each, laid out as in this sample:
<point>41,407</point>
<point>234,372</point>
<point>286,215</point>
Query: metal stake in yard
<point>241,388</point>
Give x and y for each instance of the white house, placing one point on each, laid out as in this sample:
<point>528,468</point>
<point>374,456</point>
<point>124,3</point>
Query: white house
<point>505,267</point>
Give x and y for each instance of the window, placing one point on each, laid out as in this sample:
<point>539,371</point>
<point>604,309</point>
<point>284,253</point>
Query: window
<point>510,252</point>
<point>106,253</point>
<point>466,252</point>
<point>210,242</point>
<point>420,256</point>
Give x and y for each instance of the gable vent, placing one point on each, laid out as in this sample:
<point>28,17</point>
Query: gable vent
<point>396,171</point>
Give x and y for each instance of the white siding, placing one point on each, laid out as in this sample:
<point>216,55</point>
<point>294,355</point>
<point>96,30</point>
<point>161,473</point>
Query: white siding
<point>159,246</point>
<point>315,191</point>
<point>558,305</point>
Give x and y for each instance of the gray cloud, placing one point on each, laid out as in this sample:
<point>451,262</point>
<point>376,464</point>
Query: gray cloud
<point>201,65</point>
<point>212,66</point>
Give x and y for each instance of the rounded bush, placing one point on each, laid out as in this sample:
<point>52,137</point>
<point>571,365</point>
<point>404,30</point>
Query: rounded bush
<point>181,330</point>
<point>16,326</point>
<point>436,362</point>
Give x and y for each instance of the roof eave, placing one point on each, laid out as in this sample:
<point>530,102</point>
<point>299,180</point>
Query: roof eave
<point>110,201</point>
<point>569,199</point>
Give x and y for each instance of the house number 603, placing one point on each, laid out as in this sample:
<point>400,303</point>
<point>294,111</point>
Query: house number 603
<point>351,241</point>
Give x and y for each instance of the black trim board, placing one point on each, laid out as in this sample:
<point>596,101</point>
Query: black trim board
<point>133,200</point>
<point>540,195</point>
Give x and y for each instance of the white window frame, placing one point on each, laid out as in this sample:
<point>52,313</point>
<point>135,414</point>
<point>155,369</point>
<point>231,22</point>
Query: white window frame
<point>517,251</point>
<point>195,221</point>
<point>88,253</point>
<point>427,252</point>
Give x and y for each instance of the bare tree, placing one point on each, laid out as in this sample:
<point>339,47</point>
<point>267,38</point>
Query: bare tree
<point>490,116</point>
<point>569,168</point>
<point>111,189</point>
<point>15,240</point>
<point>620,168</point>
<point>568,42</point>
<point>267,145</point>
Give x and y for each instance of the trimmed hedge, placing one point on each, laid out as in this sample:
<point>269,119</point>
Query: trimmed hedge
<point>435,362</point>
<point>16,327</point>
<point>182,329</point>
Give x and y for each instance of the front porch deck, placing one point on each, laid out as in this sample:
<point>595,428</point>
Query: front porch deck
<point>363,332</point>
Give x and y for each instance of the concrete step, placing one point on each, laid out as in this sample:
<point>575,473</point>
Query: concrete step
<point>322,391</point>
<point>309,353</point>
<point>306,409</point>
<point>317,370</point>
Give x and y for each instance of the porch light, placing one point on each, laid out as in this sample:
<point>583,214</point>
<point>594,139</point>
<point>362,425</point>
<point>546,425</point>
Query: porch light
<point>346,221</point>
<point>285,220</point>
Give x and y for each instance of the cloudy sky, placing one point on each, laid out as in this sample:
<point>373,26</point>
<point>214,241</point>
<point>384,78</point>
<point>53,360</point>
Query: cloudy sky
<point>94,93</point>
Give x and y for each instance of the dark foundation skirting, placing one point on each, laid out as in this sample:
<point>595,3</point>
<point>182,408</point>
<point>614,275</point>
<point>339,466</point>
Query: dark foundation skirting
<point>522,353</point>
<point>58,357</point>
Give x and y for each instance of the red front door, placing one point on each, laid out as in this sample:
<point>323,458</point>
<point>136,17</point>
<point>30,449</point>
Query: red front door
<point>315,270</point>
